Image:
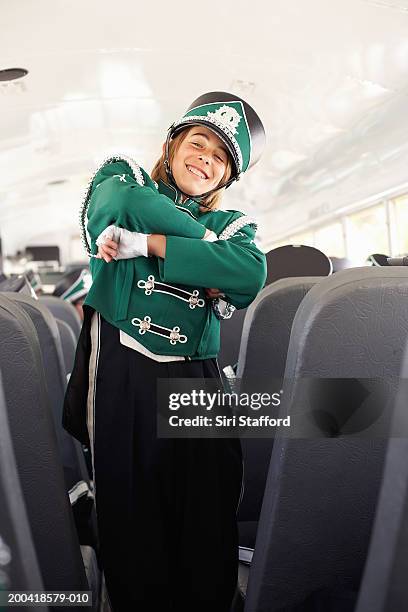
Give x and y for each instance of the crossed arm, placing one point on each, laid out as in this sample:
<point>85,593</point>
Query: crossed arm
<point>156,245</point>
<point>175,238</point>
<point>237,264</point>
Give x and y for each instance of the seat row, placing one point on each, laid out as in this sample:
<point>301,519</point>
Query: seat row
<point>325,507</point>
<point>51,538</point>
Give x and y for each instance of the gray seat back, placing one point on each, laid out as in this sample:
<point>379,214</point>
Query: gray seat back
<point>384,586</point>
<point>36,451</point>
<point>320,495</point>
<point>75,470</point>
<point>262,358</point>
<point>230,334</point>
<point>20,570</point>
<point>294,260</point>
<point>63,310</point>
<point>68,343</point>
<point>290,261</point>
<point>267,327</point>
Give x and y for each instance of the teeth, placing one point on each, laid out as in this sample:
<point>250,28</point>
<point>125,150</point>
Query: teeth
<point>196,172</point>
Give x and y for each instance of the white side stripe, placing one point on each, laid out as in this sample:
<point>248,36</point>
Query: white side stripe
<point>93,370</point>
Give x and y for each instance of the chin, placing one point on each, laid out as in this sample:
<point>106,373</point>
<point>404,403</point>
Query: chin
<point>194,189</point>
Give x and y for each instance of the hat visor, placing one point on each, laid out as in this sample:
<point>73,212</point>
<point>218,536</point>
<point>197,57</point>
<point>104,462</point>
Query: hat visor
<point>218,132</point>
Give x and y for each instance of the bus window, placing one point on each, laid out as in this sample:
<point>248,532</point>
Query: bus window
<point>367,233</point>
<point>306,239</point>
<point>330,240</point>
<point>400,225</point>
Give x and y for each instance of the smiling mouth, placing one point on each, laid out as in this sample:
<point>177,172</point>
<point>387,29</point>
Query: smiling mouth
<point>197,172</point>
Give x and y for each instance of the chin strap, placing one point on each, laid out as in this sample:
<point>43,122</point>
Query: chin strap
<point>172,181</point>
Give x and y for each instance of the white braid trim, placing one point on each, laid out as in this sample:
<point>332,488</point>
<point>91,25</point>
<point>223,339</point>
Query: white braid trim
<point>137,174</point>
<point>235,226</point>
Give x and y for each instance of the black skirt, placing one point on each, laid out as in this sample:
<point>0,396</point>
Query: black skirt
<point>166,508</point>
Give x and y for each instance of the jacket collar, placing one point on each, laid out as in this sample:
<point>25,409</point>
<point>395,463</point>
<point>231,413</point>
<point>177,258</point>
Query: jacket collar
<point>175,195</point>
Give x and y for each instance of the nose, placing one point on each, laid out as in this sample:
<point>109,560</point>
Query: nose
<point>202,159</point>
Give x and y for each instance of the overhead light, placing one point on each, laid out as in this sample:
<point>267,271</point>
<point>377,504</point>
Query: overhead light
<point>11,74</point>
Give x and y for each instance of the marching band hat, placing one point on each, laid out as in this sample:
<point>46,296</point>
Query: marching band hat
<point>231,119</point>
<point>73,286</point>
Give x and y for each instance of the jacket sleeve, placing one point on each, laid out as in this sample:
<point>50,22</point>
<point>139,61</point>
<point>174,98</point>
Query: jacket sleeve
<point>235,266</point>
<point>117,198</point>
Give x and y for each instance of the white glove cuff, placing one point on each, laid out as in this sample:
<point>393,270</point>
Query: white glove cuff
<point>131,244</point>
<point>210,236</point>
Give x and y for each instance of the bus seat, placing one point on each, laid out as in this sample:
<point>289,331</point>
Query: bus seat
<point>384,586</point>
<point>68,342</point>
<point>20,570</point>
<point>73,461</point>
<point>36,450</point>
<point>230,334</point>
<point>322,488</point>
<point>289,261</point>
<point>262,359</point>
<point>63,310</point>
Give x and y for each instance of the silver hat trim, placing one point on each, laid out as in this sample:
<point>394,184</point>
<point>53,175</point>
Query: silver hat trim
<point>221,126</point>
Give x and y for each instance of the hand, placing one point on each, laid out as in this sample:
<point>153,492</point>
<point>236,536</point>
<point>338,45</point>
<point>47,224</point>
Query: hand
<point>107,251</point>
<point>119,243</point>
<point>214,293</point>
<point>156,245</point>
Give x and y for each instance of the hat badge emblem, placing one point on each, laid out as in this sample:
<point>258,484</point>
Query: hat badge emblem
<point>228,116</point>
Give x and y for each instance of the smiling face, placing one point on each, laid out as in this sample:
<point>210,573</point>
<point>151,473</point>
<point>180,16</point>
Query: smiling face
<point>200,162</point>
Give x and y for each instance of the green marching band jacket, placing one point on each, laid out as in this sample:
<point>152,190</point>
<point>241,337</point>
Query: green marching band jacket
<point>162,303</point>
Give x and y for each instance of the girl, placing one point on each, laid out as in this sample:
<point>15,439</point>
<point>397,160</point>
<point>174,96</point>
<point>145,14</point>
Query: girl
<point>166,507</point>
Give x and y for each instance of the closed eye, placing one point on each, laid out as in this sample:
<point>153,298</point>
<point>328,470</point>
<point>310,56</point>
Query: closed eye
<point>219,157</point>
